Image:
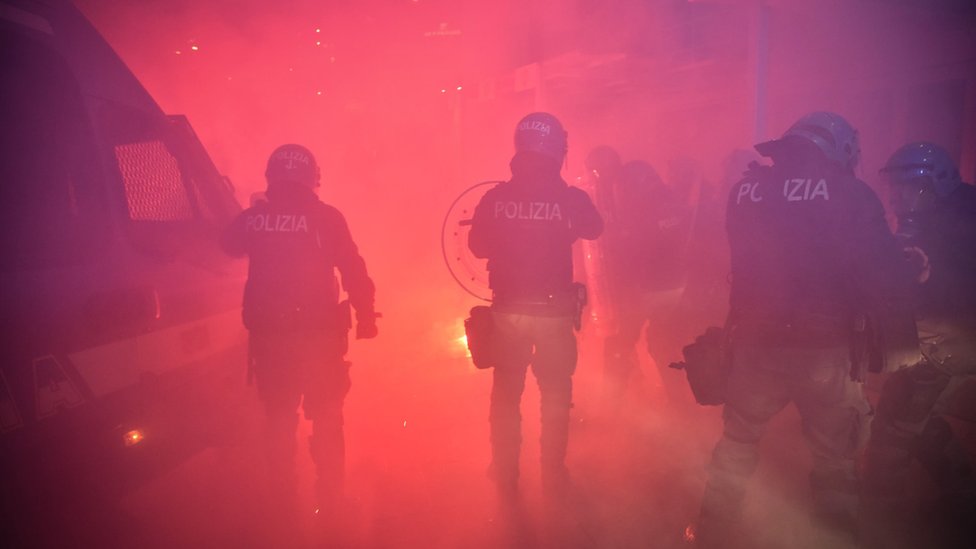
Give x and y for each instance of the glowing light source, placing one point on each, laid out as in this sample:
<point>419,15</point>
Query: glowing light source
<point>404,423</point>
<point>178,52</point>
<point>318,92</point>
<point>195,47</point>
<point>133,437</point>
<point>318,43</point>
<point>463,343</point>
<point>689,533</point>
<point>443,91</point>
<point>318,30</point>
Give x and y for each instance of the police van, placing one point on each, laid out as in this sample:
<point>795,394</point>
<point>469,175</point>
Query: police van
<point>120,316</point>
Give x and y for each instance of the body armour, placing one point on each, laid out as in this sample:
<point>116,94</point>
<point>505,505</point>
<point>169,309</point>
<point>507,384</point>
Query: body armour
<point>810,249</point>
<point>526,228</point>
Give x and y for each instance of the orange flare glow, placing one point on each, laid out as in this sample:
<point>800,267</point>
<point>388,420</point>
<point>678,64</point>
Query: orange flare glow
<point>133,437</point>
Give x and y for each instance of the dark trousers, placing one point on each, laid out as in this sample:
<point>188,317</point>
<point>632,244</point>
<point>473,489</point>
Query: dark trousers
<point>909,426</point>
<point>632,312</point>
<point>307,368</point>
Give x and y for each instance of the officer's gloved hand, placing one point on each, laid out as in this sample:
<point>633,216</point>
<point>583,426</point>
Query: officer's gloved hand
<point>366,324</point>
<point>918,261</point>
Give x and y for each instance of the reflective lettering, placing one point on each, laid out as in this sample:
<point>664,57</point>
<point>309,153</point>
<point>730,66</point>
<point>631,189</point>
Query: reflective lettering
<point>555,213</point>
<point>795,190</point>
<point>748,189</point>
<point>540,211</point>
<point>792,189</point>
<point>291,157</point>
<point>820,190</point>
<point>277,223</point>
<point>535,125</point>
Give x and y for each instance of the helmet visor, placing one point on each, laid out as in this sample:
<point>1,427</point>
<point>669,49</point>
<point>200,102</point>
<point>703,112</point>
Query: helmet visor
<point>909,193</point>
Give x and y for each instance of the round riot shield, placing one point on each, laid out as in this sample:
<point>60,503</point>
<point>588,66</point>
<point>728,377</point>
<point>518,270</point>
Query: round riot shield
<point>468,270</point>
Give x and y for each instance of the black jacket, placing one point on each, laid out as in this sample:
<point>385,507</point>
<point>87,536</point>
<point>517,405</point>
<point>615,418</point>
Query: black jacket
<point>810,244</point>
<point>294,243</point>
<point>646,234</point>
<point>947,237</point>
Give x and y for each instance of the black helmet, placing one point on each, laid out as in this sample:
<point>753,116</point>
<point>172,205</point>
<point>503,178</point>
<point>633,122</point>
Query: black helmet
<point>541,132</point>
<point>603,162</point>
<point>293,163</point>
<point>643,174</point>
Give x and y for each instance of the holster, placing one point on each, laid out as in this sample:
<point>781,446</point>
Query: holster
<point>479,330</point>
<point>581,300</point>
<point>707,363</point>
<point>885,343</point>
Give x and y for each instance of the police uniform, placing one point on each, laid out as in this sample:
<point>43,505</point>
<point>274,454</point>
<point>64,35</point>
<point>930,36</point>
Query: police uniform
<point>810,249</point>
<point>525,227</point>
<point>940,241</point>
<point>643,248</point>
<point>298,331</point>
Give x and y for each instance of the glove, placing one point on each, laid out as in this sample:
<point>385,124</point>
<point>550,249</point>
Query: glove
<point>366,324</point>
<point>919,263</point>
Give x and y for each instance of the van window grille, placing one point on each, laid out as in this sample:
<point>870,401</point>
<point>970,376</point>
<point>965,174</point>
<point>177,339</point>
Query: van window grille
<point>154,186</point>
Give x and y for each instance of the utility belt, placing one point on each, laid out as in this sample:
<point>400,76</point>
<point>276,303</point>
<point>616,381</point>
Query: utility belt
<point>559,303</point>
<point>479,328</point>
<point>335,316</point>
<point>708,361</point>
<point>796,328</point>
<point>882,342</point>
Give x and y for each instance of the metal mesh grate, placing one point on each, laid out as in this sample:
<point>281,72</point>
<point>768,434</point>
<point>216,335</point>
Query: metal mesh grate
<point>154,186</point>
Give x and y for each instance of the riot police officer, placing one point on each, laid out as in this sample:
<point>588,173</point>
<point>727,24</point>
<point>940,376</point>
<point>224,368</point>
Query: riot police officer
<point>298,330</point>
<point>810,249</point>
<point>525,227</point>
<point>640,275</point>
<point>936,226</point>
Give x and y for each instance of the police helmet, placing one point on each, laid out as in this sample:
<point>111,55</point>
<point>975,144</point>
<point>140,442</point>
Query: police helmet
<point>603,162</point>
<point>923,163</point>
<point>918,174</point>
<point>541,132</point>
<point>293,163</point>
<point>643,174</point>
<point>829,132</point>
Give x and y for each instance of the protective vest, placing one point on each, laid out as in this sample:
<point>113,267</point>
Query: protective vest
<point>526,228</point>
<point>295,243</point>
<point>810,249</point>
